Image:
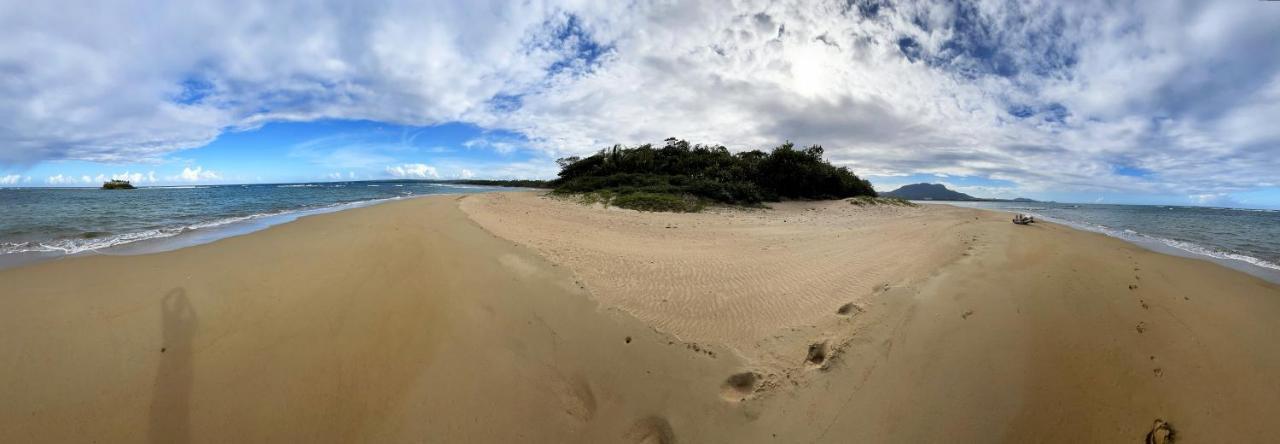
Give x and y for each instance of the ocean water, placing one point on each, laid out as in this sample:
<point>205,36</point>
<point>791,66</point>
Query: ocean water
<point>43,223</point>
<point>40,223</point>
<point>1244,239</point>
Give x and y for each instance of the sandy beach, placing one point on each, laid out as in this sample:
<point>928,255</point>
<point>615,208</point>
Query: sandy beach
<point>514,317</point>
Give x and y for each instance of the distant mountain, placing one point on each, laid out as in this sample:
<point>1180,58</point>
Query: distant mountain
<point>927,191</point>
<point>937,191</point>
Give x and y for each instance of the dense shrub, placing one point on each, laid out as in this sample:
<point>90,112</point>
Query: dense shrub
<point>709,172</point>
<point>864,201</point>
<point>645,201</point>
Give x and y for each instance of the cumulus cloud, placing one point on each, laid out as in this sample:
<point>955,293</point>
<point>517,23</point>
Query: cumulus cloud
<point>337,175</point>
<point>196,174</point>
<point>1221,199</point>
<point>60,180</point>
<point>466,174</point>
<point>10,179</point>
<point>136,178</point>
<point>413,171</point>
<point>1046,95</point>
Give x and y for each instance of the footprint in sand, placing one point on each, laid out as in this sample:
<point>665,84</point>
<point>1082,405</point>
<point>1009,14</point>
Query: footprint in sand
<point>1161,433</point>
<point>576,399</point>
<point>740,386</point>
<point>651,430</point>
<point>848,309</point>
<point>1142,327</point>
<point>817,356</point>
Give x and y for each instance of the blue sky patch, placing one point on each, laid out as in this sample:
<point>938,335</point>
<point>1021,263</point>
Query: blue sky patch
<point>193,91</point>
<point>323,150</point>
<point>1130,171</point>
<point>584,52</point>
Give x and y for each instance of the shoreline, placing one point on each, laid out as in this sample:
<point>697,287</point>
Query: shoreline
<point>1235,261</point>
<point>408,321</point>
<point>1039,333</point>
<point>239,226</point>
<point>509,316</point>
<point>202,233</point>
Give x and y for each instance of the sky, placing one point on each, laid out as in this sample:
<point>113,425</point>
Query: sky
<point>1169,102</point>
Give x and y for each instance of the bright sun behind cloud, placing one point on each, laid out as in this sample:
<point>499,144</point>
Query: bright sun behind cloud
<point>1052,97</point>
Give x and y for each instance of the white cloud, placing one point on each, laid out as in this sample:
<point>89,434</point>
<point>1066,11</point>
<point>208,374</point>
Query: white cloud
<point>136,178</point>
<point>10,179</point>
<point>60,180</point>
<point>196,174</point>
<point>466,174</point>
<point>346,151</point>
<point>1219,199</point>
<point>413,171</point>
<point>1048,95</point>
<point>500,145</point>
<point>337,175</point>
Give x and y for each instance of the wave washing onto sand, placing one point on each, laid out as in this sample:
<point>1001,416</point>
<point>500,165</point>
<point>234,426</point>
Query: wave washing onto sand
<point>313,185</point>
<point>69,246</point>
<point>471,187</point>
<point>1250,210</point>
<point>80,245</point>
<point>1147,239</point>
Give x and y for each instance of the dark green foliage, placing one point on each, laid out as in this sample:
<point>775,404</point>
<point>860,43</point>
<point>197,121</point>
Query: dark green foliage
<point>117,185</point>
<point>863,201</point>
<point>645,201</point>
<point>710,172</point>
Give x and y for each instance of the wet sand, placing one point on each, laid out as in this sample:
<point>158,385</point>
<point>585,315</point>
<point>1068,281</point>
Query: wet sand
<point>513,317</point>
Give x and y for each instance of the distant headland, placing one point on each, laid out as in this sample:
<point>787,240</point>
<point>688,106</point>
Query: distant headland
<point>937,191</point>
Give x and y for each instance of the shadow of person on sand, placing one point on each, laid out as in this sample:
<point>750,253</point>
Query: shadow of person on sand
<point>171,393</point>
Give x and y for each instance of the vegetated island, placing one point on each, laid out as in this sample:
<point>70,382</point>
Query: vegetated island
<point>683,177</point>
<point>117,185</point>
<point>937,191</point>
